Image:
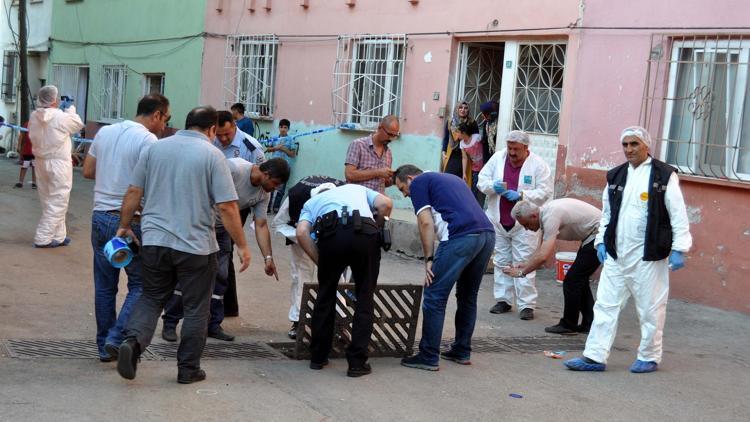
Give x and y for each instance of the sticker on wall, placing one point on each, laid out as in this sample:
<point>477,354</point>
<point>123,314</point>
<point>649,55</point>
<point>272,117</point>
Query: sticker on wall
<point>644,196</point>
<point>428,57</point>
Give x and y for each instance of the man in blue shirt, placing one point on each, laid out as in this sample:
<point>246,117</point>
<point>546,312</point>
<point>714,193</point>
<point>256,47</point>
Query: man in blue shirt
<point>234,143</point>
<point>244,123</point>
<point>446,207</point>
<point>347,236</point>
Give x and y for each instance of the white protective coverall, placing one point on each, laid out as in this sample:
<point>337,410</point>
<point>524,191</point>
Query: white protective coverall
<point>50,130</point>
<point>646,281</point>
<point>302,268</point>
<point>517,245</point>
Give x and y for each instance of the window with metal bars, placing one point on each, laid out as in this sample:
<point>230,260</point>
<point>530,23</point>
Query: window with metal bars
<point>114,79</point>
<point>538,90</point>
<point>706,123</point>
<point>153,83</point>
<point>10,70</point>
<point>250,73</point>
<point>368,78</point>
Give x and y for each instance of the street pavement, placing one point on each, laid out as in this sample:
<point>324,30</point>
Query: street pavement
<point>48,294</point>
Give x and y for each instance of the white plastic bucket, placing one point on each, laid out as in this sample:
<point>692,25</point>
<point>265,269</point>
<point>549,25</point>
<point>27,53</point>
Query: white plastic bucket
<point>564,262</point>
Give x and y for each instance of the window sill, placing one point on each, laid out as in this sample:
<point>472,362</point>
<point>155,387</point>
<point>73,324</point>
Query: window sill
<point>262,118</point>
<point>736,184</point>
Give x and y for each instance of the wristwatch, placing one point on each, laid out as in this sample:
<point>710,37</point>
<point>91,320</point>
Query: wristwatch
<point>429,258</point>
<point>268,258</point>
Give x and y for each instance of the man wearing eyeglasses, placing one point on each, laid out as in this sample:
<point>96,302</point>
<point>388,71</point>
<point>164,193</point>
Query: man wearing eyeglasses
<point>111,160</point>
<point>369,160</point>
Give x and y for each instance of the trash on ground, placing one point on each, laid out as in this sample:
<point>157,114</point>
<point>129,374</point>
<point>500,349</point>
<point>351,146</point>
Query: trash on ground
<point>516,395</point>
<point>559,354</point>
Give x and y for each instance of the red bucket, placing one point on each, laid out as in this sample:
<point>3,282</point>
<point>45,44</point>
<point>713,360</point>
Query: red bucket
<point>564,262</point>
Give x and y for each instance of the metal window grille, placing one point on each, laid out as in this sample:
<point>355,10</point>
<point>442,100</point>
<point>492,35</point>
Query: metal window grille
<point>153,83</point>
<point>368,78</point>
<point>65,78</point>
<point>250,72</point>
<point>538,91</point>
<point>702,84</point>
<point>480,75</point>
<point>113,83</point>
<point>10,69</point>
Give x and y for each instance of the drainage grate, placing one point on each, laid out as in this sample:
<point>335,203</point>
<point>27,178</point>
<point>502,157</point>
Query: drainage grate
<point>540,344</point>
<point>57,349</point>
<point>242,351</point>
<point>396,310</point>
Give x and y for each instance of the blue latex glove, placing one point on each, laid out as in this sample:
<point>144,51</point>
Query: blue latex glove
<point>65,104</point>
<point>601,252</point>
<point>499,187</point>
<point>511,195</point>
<point>676,261</point>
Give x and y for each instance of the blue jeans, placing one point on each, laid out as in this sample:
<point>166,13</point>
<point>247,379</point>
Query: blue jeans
<point>109,326</point>
<point>460,261</point>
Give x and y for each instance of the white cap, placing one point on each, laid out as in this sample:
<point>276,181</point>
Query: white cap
<point>637,131</point>
<point>322,188</point>
<point>518,136</point>
<point>46,96</point>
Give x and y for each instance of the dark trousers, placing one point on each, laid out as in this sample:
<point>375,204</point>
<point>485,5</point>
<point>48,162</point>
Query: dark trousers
<point>361,252</point>
<point>231,307</point>
<point>162,269</point>
<point>577,291</point>
<point>173,312</point>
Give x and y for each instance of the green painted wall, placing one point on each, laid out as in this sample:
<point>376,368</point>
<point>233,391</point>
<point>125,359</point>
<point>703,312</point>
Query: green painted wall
<point>113,21</point>
<point>318,152</point>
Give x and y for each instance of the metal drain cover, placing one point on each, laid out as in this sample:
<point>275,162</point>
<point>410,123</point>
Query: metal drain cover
<point>56,349</point>
<point>243,351</point>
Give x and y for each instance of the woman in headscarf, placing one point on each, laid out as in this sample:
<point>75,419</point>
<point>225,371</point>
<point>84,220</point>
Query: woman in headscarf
<point>452,157</point>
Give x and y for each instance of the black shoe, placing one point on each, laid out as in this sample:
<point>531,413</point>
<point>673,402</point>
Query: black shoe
<point>128,357</point>
<point>560,329</point>
<point>455,357</point>
<point>107,358</point>
<point>191,377</point>
<point>500,308</point>
<point>319,365</point>
<point>417,362</point>
<point>18,185</point>
<point>112,350</point>
<point>526,314</point>
<point>358,371</point>
<point>292,334</point>
<point>169,333</point>
<point>219,334</point>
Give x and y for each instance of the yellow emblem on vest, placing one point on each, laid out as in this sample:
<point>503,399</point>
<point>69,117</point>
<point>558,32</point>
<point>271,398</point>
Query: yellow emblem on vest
<point>644,196</point>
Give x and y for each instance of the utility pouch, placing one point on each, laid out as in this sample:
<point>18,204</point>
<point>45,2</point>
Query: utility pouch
<point>357,221</point>
<point>325,225</point>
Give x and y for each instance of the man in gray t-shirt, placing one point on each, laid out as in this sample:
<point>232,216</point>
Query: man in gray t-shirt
<point>181,178</point>
<point>564,219</point>
<point>253,185</point>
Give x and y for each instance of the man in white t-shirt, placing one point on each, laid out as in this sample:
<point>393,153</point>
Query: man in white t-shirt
<point>110,160</point>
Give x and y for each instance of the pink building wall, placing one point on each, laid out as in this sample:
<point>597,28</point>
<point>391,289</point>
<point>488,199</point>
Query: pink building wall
<point>604,81</point>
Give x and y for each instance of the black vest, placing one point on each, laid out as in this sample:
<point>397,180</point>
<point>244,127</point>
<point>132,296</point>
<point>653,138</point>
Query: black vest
<point>658,242</point>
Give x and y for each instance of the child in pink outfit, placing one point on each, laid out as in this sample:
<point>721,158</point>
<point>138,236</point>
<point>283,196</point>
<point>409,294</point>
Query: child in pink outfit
<point>472,152</point>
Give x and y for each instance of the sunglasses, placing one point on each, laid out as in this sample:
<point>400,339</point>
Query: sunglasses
<point>390,135</point>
